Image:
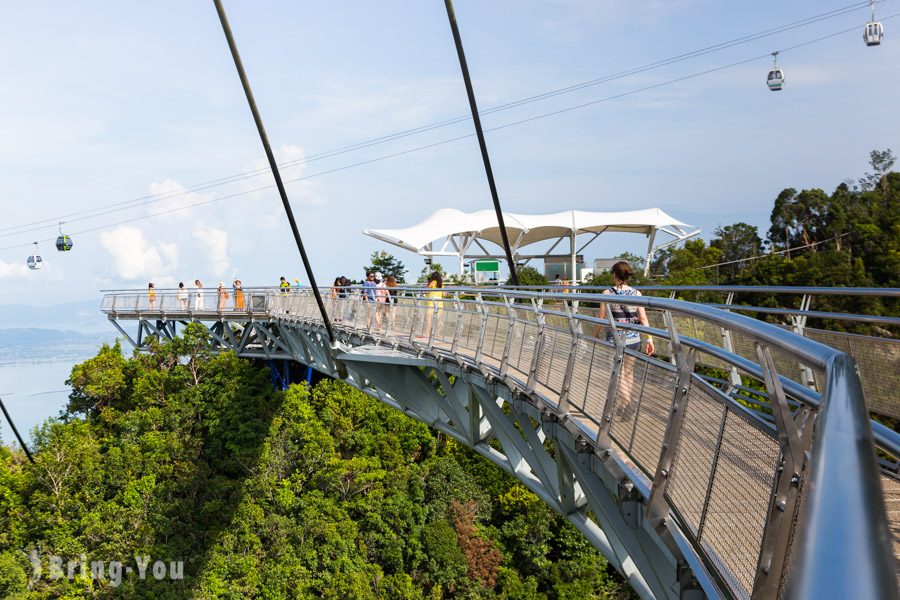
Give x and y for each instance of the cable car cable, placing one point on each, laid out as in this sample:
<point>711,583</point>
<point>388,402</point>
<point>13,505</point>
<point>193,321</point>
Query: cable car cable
<point>226,28</point>
<point>44,223</point>
<point>454,139</point>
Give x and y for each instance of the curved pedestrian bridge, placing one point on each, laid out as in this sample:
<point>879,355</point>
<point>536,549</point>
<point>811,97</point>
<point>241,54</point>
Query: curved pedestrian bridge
<point>737,462</point>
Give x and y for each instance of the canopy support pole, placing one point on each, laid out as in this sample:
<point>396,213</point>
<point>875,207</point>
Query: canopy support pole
<point>574,280</point>
<point>451,15</point>
<point>649,258</point>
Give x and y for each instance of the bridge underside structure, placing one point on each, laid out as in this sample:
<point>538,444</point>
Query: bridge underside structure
<point>689,480</point>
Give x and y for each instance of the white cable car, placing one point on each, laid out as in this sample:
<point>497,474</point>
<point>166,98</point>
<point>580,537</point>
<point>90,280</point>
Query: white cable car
<point>35,261</point>
<point>873,31</point>
<point>775,80</point>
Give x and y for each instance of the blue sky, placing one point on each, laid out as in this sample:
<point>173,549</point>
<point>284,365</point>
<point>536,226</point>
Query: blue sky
<point>106,103</point>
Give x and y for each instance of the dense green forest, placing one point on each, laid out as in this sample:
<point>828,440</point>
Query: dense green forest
<point>177,455</point>
<point>849,238</point>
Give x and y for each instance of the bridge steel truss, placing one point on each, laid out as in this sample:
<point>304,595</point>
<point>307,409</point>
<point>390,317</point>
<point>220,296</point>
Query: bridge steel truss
<point>689,484</point>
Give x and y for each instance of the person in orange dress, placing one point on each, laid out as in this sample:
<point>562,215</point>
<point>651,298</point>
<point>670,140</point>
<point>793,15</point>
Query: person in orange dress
<point>239,303</point>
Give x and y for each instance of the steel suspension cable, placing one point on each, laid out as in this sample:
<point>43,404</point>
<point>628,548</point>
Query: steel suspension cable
<point>478,130</point>
<point>273,165</point>
<point>16,431</point>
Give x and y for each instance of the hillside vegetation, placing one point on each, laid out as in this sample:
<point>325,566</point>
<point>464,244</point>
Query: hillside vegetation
<point>177,455</point>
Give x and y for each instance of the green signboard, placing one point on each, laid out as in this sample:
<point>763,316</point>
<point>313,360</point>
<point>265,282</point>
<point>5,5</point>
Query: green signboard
<point>490,266</point>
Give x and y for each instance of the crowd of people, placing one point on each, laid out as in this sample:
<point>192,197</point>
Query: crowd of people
<point>382,292</point>
<point>375,288</point>
<point>195,298</point>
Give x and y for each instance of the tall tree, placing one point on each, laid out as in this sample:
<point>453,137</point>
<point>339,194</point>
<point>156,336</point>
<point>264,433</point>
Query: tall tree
<point>737,243</point>
<point>799,219</point>
<point>387,264</point>
<point>881,161</point>
<point>782,216</point>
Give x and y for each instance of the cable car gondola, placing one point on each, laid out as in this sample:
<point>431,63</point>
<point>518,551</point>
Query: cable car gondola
<point>63,242</point>
<point>775,80</point>
<point>874,30</point>
<point>35,261</point>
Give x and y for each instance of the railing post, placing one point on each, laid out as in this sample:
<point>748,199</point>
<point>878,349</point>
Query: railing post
<point>603,439</point>
<point>734,378</point>
<point>570,363</point>
<point>479,349</point>
<point>457,328</point>
<point>415,317</point>
<point>783,504</point>
<point>712,472</point>
<point>391,309</point>
<point>507,345</point>
<point>538,344</point>
<point>658,508</point>
<point>437,304</point>
<point>799,326</point>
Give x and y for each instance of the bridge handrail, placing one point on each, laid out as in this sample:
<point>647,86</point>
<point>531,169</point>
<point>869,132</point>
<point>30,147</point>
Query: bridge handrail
<point>726,289</point>
<point>885,438</point>
<point>845,540</point>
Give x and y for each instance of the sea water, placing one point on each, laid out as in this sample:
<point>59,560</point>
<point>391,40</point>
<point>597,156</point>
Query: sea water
<point>33,392</point>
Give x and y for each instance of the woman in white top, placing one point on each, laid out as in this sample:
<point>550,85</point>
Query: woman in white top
<point>198,297</point>
<point>182,296</point>
<point>381,297</point>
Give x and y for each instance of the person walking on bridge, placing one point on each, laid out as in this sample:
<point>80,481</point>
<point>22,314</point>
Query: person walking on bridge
<point>151,295</point>
<point>222,295</point>
<point>435,297</point>
<point>626,315</point>
<point>239,303</point>
<point>182,296</point>
<point>391,284</point>
<point>381,299</point>
<point>369,288</point>
<point>285,286</point>
<point>198,295</point>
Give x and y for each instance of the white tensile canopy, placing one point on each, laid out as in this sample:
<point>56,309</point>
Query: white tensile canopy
<point>451,232</point>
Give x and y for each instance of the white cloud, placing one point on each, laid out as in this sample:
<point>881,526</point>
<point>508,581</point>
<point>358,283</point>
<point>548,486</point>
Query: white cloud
<point>213,242</point>
<point>173,200</point>
<point>133,257</point>
<point>270,213</point>
<point>12,270</point>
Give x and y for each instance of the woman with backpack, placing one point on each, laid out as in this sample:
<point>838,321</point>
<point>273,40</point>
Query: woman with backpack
<point>624,314</point>
<point>621,272</point>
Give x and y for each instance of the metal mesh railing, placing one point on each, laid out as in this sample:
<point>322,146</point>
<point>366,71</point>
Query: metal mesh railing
<point>878,360</point>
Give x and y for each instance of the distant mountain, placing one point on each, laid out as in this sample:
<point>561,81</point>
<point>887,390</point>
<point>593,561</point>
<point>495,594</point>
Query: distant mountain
<point>83,316</point>
<point>33,344</point>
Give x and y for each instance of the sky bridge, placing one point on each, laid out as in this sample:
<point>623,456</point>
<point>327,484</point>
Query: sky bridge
<point>737,462</point>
